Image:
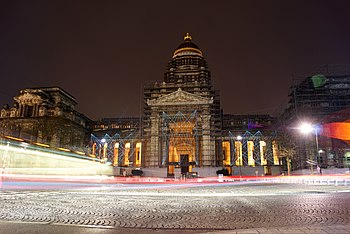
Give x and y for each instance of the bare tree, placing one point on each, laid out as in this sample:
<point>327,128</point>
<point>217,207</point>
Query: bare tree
<point>287,149</point>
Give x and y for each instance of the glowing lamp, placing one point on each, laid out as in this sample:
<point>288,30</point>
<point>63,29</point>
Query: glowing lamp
<point>306,128</point>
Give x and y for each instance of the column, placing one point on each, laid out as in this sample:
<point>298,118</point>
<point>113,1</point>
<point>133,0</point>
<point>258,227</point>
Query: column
<point>153,153</point>
<point>208,152</point>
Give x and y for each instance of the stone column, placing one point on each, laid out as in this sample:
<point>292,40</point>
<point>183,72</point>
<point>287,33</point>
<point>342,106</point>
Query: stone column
<point>132,152</point>
<point>164,157</point>
<point>55,141</point>
<point>232,152</point>
<point>153,153</point>
<point>208,151</point>
<point>34,114</point>
<point>20,110</point>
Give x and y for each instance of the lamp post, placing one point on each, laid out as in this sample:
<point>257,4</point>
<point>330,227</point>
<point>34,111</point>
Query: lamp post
<point>307,128</point>
<point>318,151</point>
<point>239,138</point>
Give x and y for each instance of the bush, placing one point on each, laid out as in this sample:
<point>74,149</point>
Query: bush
<point>191,175</point>
<point>223,171</point>
<point>137,172</point>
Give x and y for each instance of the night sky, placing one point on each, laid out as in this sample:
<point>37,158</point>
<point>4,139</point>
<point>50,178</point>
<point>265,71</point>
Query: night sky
<point>103,52</point>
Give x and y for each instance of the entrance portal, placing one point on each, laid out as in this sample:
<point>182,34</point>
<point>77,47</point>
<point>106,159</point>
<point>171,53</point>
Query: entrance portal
<point>180,142</point>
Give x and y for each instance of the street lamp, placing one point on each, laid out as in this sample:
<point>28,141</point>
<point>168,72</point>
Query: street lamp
<point>307,128</point>
<point>239,138</point>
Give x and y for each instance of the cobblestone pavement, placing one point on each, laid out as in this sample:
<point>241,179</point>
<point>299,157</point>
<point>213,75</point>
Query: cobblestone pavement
<point>196,208</point>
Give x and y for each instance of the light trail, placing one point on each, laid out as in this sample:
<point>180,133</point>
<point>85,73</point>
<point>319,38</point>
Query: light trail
<point>23,158</point>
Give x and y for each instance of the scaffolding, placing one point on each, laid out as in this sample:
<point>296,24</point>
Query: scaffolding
<point>105,148</point>
<point>180,138</point>
<point>253,148</point>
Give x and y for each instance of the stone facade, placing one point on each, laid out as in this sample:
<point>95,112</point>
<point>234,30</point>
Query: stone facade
<point>45,115</point>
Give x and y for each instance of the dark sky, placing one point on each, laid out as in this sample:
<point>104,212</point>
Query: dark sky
<point>102,52</point>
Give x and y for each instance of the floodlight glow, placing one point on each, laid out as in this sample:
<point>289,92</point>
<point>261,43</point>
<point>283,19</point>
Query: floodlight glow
<point>103,140</point>
<point>306,128</point>
<point>239,138</point>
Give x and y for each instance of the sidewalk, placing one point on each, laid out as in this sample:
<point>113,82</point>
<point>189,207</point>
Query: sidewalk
<point>46,228</point>
<point>336,229</point>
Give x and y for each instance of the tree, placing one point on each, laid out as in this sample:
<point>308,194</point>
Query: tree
<point>287,149</point>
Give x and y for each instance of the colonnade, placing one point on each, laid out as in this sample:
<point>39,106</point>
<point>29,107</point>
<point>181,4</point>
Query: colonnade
<point>119,153</point>
<point>255,152</point>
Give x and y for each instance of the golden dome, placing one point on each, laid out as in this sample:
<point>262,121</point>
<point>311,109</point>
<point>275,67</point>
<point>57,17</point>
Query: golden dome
<point>187,47</point>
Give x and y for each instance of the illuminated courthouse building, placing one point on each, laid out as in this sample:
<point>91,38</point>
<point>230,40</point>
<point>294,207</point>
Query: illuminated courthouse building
<point>182,131</point>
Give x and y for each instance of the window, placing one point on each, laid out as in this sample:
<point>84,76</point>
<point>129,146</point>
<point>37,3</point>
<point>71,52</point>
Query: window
<point>28,111</point>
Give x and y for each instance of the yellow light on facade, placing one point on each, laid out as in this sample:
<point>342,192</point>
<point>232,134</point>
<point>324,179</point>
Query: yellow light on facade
<point>63,149</point>
<point>226,153</point>
<point>14,138</point>
<point>239,157</point>
<point>250,148</point>
<point>262,153</point>
<point>275,153</point>
<point>43,145</point>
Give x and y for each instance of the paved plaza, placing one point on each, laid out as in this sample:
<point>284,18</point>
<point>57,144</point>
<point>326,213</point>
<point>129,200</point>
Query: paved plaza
<point>186,208</point>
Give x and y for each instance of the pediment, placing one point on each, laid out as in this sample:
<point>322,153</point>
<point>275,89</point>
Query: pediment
<point>179,97</point>
<point>28,98</point>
